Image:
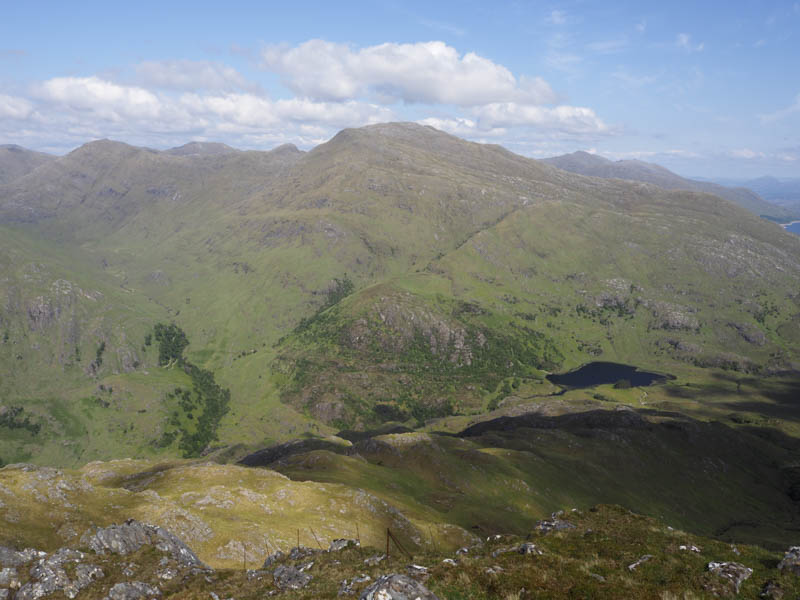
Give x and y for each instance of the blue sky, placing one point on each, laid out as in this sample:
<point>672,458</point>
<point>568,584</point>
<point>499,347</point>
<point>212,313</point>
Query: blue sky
<point>704,88</point>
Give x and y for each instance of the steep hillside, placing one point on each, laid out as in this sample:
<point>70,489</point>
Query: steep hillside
<point>593,165</point>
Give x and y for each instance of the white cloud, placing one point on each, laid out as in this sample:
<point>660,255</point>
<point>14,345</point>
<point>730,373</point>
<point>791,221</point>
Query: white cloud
<point>684,41</point>
<point>13,107</point>
<point>641,26</point>
<point>190,75</point>
<point>783,113</point>
<point>566,119</point>
<point>83,108</point>
<point>106,99</point>
<point>425,72</point>
<point>746,153</point>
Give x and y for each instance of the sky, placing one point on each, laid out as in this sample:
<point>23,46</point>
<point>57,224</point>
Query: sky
<point>706,89</point>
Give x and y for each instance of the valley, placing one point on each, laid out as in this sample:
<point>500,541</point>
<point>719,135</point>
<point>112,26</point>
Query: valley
<point>236,345</point>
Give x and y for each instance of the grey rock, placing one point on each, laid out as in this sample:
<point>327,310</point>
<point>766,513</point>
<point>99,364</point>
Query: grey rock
<point>598,577</point>
<point>734,572</point>
<point>9,577</point>
<point>554,524</point>
<point>49,576</point>
<point>643,559</point>
<point>347,587</point>
<point>417,571</point>
<point>397,587</point>
<point>4,593</point>
<point>134,590</point>
<point>791,561</point>
<point>373,561</point>
<point>299,552</point>
<point>132,535</point>
<point>342,544</point>
<point>289,578</point>
<point>450,562</point>
<point>273,558</point>
<point>13,558</point>
<point>529,548</point>
<point>771,591</point>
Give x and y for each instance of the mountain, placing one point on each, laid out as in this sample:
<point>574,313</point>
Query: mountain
<point>16,161</point>
<point>593,165</point>
<point>201,149</point>
<point>785,192</point>
<point>398,278</point>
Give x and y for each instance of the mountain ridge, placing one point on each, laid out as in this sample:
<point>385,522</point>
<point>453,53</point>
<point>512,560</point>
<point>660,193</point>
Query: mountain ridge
<point>585,163</point>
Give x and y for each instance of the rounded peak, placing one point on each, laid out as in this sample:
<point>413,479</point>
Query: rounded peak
<point>201,149</point>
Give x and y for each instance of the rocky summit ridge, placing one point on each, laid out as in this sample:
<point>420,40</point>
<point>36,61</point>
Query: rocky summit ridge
<point>592,554</point>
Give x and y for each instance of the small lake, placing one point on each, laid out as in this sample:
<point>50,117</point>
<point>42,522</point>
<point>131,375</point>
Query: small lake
<point>793,227</point>
<point>599,373</point>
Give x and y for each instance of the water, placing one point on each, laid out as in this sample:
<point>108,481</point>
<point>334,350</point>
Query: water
<point>793,227</point>
<point>598,373</point>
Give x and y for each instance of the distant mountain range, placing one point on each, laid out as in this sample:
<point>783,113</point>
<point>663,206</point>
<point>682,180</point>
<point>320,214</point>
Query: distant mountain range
<point>593,165</point>
<point>205,302</point>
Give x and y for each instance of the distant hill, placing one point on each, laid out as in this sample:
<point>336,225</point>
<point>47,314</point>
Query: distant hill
<point>201,149</point>
<point>785,192</point>
<point>593,165</point>
<point>16,161</point>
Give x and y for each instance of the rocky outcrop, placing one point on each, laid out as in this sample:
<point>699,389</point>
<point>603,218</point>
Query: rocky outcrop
<point>397,587</point>
<point>289,578</point>
<point>791,561</point>
<point>135,590</point>
<point>49,575</point>
<point>731,572</point>
<point>132,535</point>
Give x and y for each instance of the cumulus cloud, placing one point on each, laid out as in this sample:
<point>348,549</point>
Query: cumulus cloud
<point>191,75</point>
<point>13,107</point>
<point>425,72</point>
<point>83,108</point>
<point>567,119</point>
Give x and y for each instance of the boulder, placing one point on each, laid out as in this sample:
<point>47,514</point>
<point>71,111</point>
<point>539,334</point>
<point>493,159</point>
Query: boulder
<point>554,524</point>
<point>49,575</point>
<point>273,558</point>
<point>397,587</point>
<point>342,544</point>
<point>9,578</point>
<point>529,548</point>
<point>289,578</point>
<point>733,572</point>
<point>134,590</point>
<point>642,559</point>
<point>347,587</point>
<point>13,558</point>
<point>791,561</point>
<point>132,535</point>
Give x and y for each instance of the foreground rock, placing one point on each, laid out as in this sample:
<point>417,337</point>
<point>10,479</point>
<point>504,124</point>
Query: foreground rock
<point>132,535</point>
<point>289,578</point>
<point>791,561</point>
<point>397,587</point>
<point>135,590</point>
<point>734,573</point>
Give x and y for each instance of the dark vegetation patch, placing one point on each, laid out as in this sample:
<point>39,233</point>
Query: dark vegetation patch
<point>199,411</point>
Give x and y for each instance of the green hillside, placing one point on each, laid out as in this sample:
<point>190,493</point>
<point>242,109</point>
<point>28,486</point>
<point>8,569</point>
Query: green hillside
<point>210,302</point>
